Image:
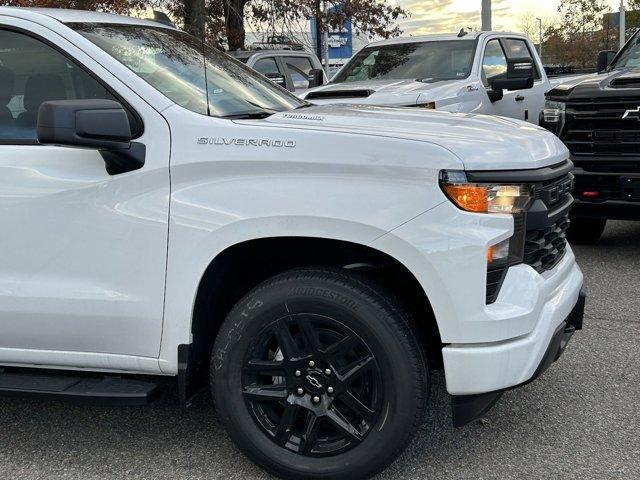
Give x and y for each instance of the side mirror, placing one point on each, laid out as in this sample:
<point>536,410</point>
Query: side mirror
<point>277,78</point>
<point>605,58</point>
<point>316,78</point>
<point>93,124</point>
<point>519,76</point>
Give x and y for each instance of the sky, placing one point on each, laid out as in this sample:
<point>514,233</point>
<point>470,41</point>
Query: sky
<point>436,16</point>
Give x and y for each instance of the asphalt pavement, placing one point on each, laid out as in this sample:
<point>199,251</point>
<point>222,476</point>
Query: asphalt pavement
<point>580,420</point>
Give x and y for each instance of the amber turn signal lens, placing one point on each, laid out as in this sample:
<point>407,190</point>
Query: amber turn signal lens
<point>469,197</point>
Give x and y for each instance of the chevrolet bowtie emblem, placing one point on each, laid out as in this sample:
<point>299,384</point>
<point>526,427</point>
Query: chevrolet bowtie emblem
<point>632,114</point>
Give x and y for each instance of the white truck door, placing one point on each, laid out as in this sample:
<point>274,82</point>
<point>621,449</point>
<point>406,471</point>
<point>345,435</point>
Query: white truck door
<point>532,98</point>
<point>494,64</point>
<point>84,253</point>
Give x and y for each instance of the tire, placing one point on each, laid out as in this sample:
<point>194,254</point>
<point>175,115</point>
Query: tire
<point>341,337</point>
<point>586,231</point>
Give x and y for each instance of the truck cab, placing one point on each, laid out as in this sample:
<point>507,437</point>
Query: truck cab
<point>471,72</point>
<point>168,211</point>
<point>597,116</point>
<point>294,70</point>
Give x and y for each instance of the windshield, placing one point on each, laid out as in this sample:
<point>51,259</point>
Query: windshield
<point>173,62</point>
<point>630,56</point>
<point>445,60</point>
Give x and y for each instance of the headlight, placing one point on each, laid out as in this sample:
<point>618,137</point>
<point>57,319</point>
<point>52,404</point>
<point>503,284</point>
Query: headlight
<point>492,198</point>
<point>484,198</point>
<point>553,112</point>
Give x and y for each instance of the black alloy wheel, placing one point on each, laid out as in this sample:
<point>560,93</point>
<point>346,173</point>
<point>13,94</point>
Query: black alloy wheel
<point>312,384</point>
<point>317,374</point>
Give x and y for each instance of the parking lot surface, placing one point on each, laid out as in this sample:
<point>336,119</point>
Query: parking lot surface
<point>580,420</point>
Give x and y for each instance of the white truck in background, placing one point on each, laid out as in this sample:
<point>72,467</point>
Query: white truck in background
<point>493,73</point>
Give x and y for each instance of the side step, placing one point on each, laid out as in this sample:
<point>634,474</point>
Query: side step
<point>107,390</point>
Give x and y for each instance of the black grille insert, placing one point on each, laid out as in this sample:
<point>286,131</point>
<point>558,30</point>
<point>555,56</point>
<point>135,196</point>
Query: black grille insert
<point>601,128</point>
<point>543,249</point>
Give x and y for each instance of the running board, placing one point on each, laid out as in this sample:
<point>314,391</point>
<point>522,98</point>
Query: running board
<point>107,390</point>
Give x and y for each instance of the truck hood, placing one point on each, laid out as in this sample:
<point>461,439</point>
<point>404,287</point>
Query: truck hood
<point>615,84</point>
<point>384,92</point>
<point>480,142</point>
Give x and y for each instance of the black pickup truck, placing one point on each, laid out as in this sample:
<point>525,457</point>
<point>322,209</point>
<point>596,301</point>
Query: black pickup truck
<point>598,118</point>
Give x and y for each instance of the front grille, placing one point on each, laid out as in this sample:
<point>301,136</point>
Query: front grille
<point>539,233</point>
<point>545,243</point>
<point>599,129</point>
<point>543,249</point>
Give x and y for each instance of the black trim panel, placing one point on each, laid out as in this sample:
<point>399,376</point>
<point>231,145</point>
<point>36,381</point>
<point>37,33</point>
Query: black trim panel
<point>525,176</point>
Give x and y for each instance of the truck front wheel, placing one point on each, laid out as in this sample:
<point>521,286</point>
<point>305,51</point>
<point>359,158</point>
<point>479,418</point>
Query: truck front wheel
<point>317,374</point>
<point>586,230</point>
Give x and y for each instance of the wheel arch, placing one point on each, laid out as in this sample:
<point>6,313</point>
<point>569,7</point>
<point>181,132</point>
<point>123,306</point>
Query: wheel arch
<point>233,272</point>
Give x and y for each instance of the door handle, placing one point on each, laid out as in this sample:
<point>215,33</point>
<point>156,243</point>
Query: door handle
<point>519,98</point>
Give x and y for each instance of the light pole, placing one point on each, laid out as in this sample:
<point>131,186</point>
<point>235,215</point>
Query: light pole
<point>486,15</point>
<point>623,25</point>
<point>540,37</point>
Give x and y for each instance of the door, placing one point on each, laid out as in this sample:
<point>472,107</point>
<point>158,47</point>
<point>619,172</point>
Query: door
<point>298,69</point>
<point>494,65</point>
<point>533,102</point>
<point>268,66</point>
<point>83,253</point>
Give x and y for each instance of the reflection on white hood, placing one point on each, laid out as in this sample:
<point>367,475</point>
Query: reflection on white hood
<point>481,142</point>
<point>387,92</point>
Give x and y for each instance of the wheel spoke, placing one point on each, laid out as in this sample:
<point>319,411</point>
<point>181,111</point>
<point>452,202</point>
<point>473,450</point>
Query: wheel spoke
<point>355,404</point>
<point>265,393</point>
<point>265,367</point>
<point>342,346</point>
<point>356,369</point>
<point>343,425</point>
<point>283,430</point>
<point>286,342</point>
<point>310,434</point>
<point>310,335</point>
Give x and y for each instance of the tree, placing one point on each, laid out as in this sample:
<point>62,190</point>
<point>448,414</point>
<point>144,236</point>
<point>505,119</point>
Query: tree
<point>529,25</point>
<point>580,33</point>
<point>374,18</point>
<point>115,6</point>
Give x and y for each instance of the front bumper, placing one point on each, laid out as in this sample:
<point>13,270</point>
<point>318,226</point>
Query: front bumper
<point>467,408</point>
<point>613,201</point>
<point>480,367</point>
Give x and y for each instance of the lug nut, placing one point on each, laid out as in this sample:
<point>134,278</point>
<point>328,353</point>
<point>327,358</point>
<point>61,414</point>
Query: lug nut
<point>298,373</point>
<point>316,399</point>
<point>300,390</point>
<point>327,372</point>
<point>312,364</point>
<point>329,389</point>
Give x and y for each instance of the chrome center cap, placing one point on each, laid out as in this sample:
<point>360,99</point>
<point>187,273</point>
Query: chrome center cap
<point>314,382</point>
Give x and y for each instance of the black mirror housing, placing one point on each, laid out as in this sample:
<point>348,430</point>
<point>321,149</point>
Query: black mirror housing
<point>99,124</point>
<point>605,57</point>
<point>316,78</point>
<point>519,76</point>
<point>93,124</point>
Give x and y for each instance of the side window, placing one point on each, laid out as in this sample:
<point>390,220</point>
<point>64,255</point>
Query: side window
<point>299,69</point>
<point>494,62</point>
<point>31,73</point>
<point>518,48</point>
<point>267,66</point>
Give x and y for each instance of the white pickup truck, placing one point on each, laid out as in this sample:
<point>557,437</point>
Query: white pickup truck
<point>494,73</point>
<point>167,211</point>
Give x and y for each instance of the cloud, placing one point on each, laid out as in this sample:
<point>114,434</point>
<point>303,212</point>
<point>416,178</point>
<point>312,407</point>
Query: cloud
<point>437,16</point>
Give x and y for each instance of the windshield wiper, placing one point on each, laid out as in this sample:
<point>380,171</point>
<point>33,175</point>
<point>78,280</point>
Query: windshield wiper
<point>249,115</point>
